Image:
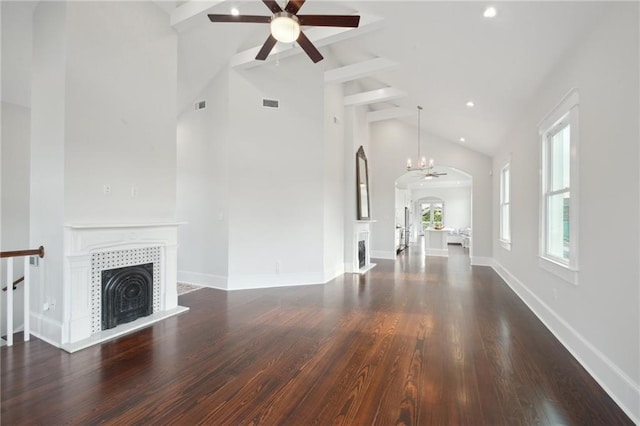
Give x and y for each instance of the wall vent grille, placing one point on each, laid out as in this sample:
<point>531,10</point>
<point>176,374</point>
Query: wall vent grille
<point>271,103</point>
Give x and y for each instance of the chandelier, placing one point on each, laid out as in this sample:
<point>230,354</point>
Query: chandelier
<point>423,165</point>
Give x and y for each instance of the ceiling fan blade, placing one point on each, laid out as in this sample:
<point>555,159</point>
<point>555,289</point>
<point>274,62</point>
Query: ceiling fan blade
<point>272,5</point>
<point>294,6</point>
<point>330,20</point>
<point>240,18</point>
<point>309,48</point>
<point>266,48</point>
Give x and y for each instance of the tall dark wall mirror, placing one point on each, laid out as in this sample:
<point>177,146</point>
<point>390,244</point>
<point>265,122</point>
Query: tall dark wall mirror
<point>362,185</point>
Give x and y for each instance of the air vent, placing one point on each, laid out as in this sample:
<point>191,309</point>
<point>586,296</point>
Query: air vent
<point>201,105</point>
<point>271,103</point>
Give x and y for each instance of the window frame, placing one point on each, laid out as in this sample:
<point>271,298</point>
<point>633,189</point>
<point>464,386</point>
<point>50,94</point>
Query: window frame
<point>565,113</point>
<point>431,203</point>
<point>505,242</point>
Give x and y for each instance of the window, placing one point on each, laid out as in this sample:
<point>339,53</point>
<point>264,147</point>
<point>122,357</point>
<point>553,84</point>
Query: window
<point>558,213</point>
<point>432,214</point>
<point>505,203</point>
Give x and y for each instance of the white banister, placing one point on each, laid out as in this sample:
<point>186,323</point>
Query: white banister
<point>10,301</point>
<point>10,256</point>
<point>27,299</point>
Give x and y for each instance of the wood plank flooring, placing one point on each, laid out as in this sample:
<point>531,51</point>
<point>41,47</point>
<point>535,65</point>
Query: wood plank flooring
<point>418,341</point>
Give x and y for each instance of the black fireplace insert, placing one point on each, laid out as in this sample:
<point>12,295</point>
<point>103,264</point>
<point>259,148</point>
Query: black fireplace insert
<point>127,294</point>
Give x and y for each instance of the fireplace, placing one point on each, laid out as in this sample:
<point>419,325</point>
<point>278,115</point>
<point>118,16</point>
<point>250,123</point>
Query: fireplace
<point>118,278</point>
<point>362,254</point>
<point>127,294</point>
<point>360,259</point>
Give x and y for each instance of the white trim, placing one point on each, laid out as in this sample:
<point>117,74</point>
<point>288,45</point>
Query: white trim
<point>616,383</point>
<point>566,112</point>
<point>247,282</point>
<point>559,270</point>
<point>333,273</point>
<point>122,329</point>
<point>505,244</point>
<point>481,261</point>
<point>364,269</point>
<point>383,254</point>
<point>46,329</point>
<point>204,280</point>
<point>568,101</point>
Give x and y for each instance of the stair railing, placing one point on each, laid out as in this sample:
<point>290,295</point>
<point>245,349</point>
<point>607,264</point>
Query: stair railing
<point>10,256</point>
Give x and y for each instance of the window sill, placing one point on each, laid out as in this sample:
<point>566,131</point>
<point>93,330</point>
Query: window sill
<point>505,245</point>
<point>558,269</point>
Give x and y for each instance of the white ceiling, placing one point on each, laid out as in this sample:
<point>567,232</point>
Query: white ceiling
<point>446,51</point>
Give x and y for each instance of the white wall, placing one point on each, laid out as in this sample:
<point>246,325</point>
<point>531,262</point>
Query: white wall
<point>17,44</point>
<point>334,176</point>
<point>120,113</point>
<point>391,142</point>
<point>202,194</point>
<point>15,198</point>
<point>275,175</point>
<point>103,113</point>
<point>598,319</point>
<point>48,88</point>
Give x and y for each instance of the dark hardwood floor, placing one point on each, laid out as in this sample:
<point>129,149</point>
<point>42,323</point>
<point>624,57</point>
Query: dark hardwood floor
<point>420,340</point>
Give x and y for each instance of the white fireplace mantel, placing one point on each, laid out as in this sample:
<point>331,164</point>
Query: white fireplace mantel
<point>361,232</point>
<point>90,248</point>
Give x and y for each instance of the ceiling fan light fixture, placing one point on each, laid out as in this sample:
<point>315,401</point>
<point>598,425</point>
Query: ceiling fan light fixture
<point>285,27</point>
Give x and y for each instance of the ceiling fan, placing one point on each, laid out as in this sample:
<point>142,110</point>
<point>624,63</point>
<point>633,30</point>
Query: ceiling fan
<point>430,173</point>
<point>285,26</point>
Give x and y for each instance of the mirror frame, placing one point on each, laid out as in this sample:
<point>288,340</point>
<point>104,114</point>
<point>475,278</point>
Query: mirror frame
<point>362,186</point>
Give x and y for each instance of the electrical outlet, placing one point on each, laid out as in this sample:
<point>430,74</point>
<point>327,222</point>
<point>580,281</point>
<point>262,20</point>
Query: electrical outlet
<point>106,189</point>
<point>45,306</point>
<point>134,191</point>
<point>277,267</point>
<point>52,304</point>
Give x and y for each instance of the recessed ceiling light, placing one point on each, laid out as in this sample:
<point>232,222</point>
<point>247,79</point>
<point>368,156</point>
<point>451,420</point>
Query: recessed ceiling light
<point>490,12</point>
<point>470,104</point>
<point>235,11</point>
<point>462,139</point>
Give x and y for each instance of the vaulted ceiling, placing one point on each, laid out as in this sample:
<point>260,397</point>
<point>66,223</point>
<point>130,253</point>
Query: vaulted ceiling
<point>439,55</point>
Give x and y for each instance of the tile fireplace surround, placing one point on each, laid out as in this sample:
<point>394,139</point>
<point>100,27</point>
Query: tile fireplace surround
<point>90,249</point>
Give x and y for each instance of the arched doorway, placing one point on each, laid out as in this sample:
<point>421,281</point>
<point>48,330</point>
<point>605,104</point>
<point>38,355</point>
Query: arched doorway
<point>441,204</point>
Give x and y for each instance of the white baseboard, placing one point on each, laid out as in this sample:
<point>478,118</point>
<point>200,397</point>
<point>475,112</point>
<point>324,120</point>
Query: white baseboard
<point>382,254</point>
<point>620,387</point>
<point>331,274</point>
<point>46,329</point>
<point>204,280</point>
<point>248,282</point>
<point>481,261</point>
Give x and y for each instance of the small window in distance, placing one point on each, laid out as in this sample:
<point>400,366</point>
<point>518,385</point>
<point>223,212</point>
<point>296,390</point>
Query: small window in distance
<point>505,206</point>
<point>559,181</point>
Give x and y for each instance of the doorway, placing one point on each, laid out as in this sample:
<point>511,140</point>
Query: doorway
<point>440,206</point>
